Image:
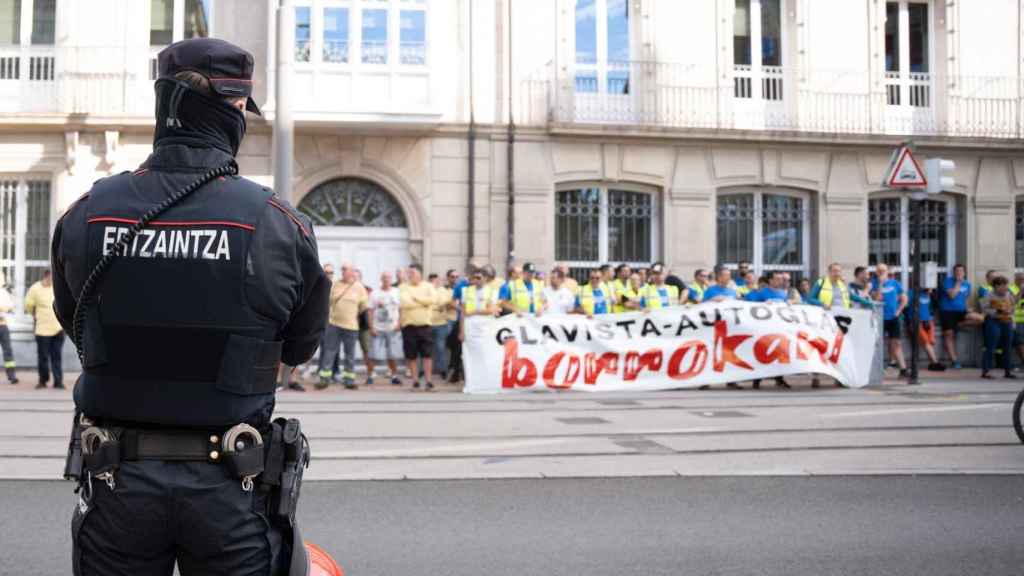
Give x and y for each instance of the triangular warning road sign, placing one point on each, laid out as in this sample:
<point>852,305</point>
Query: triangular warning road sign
<point>905,172</point>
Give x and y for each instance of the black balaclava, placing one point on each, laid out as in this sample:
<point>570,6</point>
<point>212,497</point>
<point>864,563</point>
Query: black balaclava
<point>185,116</point>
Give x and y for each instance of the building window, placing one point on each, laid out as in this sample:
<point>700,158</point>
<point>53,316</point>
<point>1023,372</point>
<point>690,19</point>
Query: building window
<point>375,36</point>
<point>361,31</point>
<point>889,234</point>
<point>303,34</point>
<point>603,47</point>
<point>757,49</point>
<point>596,224</point>
<point>335,35</point>
<point>769,229</point>
<point>908,53</point>
<point>40,18</point>
<point>352,202</point>
<point>413,37</point>
<point>24,233</point>
<point>195,20</point>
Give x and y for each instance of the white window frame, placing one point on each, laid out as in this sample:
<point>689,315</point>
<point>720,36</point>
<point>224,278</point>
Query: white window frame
<point>394,10</point>
<point>758,75</point>
<point>20,262</point>
<point>757,263</point>
<point>905,263</point>
<point>177,30</point>
<point>25,31</point>
<point>603,244</point>
<point>904,79</point>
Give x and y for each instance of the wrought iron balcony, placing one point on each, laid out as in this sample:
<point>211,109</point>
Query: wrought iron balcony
<point>660,95</point>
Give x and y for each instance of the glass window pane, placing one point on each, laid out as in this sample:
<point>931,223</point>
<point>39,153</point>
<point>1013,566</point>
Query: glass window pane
<point>741,34</point>
<point>37,235</point>
<point>44,21</point>
<point>771,33</point>
<point>375,36</point>
<point>8,234</point>
<point>892,36</point>
<point>736,228</point>
<point>10,21</point>
<point>618,31</point>
<point>586,31</point>
<point>629,226</point>
<point>934,232</point>
<point>885,222</point>
<point>197,18</point>
<point>302,34</point>
<point>336,35</point>
<point>413,37</point>
<point>577,225</point>
<point>782,231</point>
<point>918,37</point>
<point>161,22</point>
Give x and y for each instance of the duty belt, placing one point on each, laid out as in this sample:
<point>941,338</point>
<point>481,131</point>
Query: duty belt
<point>240,448</point>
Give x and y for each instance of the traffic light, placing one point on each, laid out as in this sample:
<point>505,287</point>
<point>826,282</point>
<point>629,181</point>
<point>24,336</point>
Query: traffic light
<point>939,175</point>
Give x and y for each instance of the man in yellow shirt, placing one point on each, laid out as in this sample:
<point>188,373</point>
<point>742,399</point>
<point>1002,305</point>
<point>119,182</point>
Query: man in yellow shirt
<point>418,299</point>
<point>443,305</point>
<point>348,299</point>
<point>49,334</point>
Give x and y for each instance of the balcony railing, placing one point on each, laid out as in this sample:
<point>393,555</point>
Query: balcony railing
<point>98,81</point>
<point>667,95</point>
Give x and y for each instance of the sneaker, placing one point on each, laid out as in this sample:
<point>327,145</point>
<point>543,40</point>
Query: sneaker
<point>904,373</point>
<point>704,387</point>
<point>323,384</point>
<point>755,385</point>
<point>734,386</point>
<point>937,367</point>
<point>14,381</point>
<point>41,385</point>
<point>416,385</point>
<point>781,383</point>
<point>815,382</point>
<point>1010,376</point>
<point>349,384</point>
<point>957,365</point>
<point>429,386</point>
<point>395,381</point>
<point>987,376</point>
<point>296,387</point>
<point>58,386</point>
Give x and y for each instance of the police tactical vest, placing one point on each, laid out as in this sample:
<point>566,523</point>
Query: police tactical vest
<point>172,339</point>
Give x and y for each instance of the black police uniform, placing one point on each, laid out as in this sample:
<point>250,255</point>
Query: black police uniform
<point>184,336</point>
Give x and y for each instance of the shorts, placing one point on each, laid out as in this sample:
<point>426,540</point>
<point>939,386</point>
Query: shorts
<point>926,332</point>
<point>951,319</point>
<point>418,342</point>
<point>892,328</point>
<point>387,346</point>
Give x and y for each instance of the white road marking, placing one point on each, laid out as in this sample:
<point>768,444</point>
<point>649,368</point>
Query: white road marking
<point>912,410</point>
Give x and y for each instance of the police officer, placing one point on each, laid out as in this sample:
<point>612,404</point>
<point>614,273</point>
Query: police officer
<point>181,330</point>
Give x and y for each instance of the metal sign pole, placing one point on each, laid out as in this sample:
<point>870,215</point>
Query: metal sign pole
<point>915,302</point>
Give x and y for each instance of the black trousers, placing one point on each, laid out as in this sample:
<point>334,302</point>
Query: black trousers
<point>48,352</point>
<point>159,513</point>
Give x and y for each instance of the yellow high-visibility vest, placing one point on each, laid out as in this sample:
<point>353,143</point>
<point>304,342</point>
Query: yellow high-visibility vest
<point>622,289</point>
<point>652,296</point>
<point>470,300</point>
<point>827,293</point>
<point>521,297</point>
<point>589,301</point>
<point>699,290</point>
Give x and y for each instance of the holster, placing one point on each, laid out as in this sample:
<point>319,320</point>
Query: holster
<point>286,460</point>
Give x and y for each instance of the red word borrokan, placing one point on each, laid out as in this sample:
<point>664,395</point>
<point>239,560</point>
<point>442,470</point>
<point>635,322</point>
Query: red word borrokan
<point>684,363</point>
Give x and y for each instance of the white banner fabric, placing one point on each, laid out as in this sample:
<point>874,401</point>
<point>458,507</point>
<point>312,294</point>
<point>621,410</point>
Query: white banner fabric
<point>678,347</point>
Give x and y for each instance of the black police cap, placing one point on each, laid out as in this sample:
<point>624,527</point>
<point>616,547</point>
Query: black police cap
<point>226,66</point>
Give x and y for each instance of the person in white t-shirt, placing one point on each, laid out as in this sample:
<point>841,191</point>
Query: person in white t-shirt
<point>558,298</point>
<point>385,334</point>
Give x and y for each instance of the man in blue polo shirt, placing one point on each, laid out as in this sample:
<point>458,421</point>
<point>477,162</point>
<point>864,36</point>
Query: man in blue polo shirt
<point>953,309</point>
<point>722,289</point>
<point>890,293</point>
<point>773,292</point>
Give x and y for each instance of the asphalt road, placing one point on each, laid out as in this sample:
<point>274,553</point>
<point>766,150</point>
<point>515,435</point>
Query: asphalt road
<point>903,525</point>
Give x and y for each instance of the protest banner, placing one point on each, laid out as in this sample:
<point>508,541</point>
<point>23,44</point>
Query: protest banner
<point>679,347</point>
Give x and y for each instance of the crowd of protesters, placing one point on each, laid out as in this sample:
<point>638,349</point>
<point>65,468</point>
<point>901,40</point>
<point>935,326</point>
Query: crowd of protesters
<point>416,323</point>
